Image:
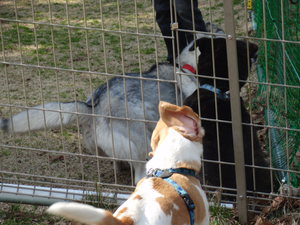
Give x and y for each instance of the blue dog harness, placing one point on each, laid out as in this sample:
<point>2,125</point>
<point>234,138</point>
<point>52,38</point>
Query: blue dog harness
<point>165,174</point>
<point>220,94</point>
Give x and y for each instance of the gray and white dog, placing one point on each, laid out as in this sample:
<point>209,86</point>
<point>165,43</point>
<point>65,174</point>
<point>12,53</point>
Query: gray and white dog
<point>134,97</point>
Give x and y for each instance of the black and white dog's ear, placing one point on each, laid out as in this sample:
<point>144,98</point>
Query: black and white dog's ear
<point>201,43</point>
<point>205,43</point>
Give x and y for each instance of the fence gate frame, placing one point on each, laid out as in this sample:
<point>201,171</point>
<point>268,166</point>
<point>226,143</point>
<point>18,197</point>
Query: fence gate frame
<point>235,104</point>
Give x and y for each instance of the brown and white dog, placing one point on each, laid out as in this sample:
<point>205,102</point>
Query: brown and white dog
<point>177,148</point>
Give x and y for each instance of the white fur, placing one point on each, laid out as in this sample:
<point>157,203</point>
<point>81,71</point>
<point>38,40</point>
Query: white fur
<point>186,80</point>
<point>188,57</point>
<point>49,115</point>
<point>76,211</point>
<point>170,152</point>
<point>206,205</point>
<point>145,210</point>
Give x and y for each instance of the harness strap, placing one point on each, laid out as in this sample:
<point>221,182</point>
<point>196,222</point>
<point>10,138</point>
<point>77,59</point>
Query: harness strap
<point>220,94</point>
<point>168,172</point>
<point>165,174</point>
<point>186,197</point>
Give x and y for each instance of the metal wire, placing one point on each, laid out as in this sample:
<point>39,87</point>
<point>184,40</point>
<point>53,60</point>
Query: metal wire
<point>57,161</point>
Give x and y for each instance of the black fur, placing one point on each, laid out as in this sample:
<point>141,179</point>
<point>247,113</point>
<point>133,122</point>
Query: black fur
<point>208,111</point>
<point>220,70</point>
<point>4,125</point>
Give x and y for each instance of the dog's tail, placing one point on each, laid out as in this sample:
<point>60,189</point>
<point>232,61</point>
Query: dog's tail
<point>50,115</point>
<point>83,213</point>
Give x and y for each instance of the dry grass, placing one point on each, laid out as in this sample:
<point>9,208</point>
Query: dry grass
<point>282,211</point>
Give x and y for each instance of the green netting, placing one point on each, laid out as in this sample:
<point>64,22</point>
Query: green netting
<point>279,63</point>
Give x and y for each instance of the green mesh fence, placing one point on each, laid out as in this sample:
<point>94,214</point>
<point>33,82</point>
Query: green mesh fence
<point>279,63</point>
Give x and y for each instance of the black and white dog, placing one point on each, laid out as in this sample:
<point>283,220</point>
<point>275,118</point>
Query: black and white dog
<point>121,107</point>
<point>213,100</point>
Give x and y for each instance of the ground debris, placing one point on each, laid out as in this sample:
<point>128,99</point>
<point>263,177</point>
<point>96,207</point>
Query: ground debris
<point>281,211</point>
<point>262,221</point>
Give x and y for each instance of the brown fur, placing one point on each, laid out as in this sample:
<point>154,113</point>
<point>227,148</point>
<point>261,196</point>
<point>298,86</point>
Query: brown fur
<point>138,197</point>
<point>122,211</point>
<point>126,220</point>
<point>111,220</point>
<point>168,119</point>
<point>158,135</point>
<point>194,165</point>
<point>190,183</point>
<point>167,112</point>
<point>171,197</point>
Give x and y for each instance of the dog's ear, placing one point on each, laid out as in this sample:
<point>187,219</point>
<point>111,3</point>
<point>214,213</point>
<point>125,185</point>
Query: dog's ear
<point>205,44</point>
<point>201,43</point>
<point>182,119</point>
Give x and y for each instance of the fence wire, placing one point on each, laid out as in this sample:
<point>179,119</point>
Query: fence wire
<point>63,51</point>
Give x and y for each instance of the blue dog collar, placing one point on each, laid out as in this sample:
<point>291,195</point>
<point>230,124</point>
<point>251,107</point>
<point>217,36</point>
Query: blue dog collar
<point>219,93</point>
<point>168,172</point>
<point>165,174</point>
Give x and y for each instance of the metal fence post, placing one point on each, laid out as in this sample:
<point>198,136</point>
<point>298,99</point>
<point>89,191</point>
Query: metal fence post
<point>236,111</point>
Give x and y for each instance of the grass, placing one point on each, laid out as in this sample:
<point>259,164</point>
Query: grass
<point>19,214</point>
<point>222,216</point>
<point>59,39</point>
<point>45,41</point>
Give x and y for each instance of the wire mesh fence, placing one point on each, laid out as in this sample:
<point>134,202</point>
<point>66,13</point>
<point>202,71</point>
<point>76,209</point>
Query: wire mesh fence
<point>279,67</point>
<point>66,145</point>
